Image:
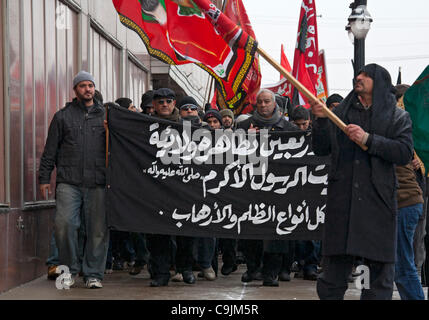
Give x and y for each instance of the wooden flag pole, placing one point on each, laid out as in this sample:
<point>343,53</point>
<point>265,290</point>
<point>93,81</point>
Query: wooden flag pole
<point>332,116</point>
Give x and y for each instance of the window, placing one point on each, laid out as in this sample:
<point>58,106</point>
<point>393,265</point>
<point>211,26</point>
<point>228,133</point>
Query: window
<point>49,64</point>
<point>105,66</point>
<point>137,81</point>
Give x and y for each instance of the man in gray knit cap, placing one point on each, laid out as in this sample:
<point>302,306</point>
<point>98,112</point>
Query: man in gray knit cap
<point>76,147</point>
<point>227,118</point>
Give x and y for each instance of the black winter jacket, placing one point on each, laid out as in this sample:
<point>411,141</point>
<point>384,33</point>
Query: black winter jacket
<point>361,210</point>
<point>76,145</point>
<point>271,246</point>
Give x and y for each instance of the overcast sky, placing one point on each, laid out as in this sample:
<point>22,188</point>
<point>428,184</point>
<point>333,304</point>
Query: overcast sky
<point>399,36</point>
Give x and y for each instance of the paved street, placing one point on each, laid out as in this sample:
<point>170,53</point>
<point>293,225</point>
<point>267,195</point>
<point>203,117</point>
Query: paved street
<point>121,286</point>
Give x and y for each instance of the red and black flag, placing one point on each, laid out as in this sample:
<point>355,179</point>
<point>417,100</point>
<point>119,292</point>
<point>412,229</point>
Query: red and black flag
<point>193,31</point>
<point>234,9</point>
<point>306,58</point>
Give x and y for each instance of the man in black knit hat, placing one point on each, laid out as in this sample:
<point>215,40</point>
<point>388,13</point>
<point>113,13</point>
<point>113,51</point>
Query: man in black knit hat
<point>213,119</point>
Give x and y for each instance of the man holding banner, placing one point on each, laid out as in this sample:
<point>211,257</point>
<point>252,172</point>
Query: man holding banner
<point>267,116</point>
<point>160,245</point>
<point>362,208</point>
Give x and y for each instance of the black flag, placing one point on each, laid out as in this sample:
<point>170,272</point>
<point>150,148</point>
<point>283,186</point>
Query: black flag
<point>169,178</point>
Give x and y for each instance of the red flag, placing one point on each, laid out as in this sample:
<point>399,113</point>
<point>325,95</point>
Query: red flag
<point>213,102</point>
<point>305,79</point>
<point>234,9</point>
<point>281,88</point>
<point>193,31</point>
<point>284,62</point>
<point>307,52</point>
<point>322,77</point>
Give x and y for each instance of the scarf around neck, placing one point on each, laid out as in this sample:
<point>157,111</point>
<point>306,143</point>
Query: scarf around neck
<point>264,122</point>
<point>174,116</point>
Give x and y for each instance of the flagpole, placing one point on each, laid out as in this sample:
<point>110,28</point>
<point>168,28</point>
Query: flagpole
<point>333,117</point>
<point>107,139</point>
<point>207,87</point>
<point>210,90</point>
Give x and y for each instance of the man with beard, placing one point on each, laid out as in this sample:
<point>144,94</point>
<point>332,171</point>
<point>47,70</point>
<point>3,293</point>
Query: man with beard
<point>362,208</point>
<point>76,147</point>
<point>227,118</point>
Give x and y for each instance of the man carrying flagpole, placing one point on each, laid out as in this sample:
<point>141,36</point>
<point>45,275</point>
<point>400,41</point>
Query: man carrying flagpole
<point>361,209</point>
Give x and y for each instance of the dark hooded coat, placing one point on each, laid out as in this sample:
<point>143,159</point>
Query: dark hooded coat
<point>361,209</point>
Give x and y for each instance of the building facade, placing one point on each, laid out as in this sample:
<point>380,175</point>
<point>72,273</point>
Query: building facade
<point>44,43</point>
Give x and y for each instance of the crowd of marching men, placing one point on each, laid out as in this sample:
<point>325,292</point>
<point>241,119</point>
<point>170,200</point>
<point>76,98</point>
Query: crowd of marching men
<point>179,258</point>
<point>176,258</point>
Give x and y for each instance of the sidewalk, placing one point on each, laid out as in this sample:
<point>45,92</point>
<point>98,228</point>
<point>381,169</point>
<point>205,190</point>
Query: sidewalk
<point>121,286</point>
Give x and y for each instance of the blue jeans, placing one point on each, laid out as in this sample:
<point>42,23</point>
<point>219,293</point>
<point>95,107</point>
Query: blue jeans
<point>75,205</point>
<point>53,250</point>
<point>406,277</point>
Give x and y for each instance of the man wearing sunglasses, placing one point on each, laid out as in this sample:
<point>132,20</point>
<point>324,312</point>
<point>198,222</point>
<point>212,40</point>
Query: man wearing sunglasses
<point>160,246</point>
<point>164,102</point>
<point>188,109</point>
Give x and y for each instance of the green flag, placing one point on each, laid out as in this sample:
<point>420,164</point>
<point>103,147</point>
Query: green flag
<point>416,101</point>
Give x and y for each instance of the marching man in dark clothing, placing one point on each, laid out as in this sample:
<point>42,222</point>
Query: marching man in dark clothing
<point>160,246</point>
<point>362,207</point>
<point>76,147</point>
<point>267,116</point>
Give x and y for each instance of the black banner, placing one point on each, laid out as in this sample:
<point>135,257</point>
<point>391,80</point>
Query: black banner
<point>169,178</point>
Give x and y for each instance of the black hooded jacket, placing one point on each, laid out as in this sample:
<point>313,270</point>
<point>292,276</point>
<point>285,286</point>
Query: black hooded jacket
<point>361,209</point>
<point>76,145</point>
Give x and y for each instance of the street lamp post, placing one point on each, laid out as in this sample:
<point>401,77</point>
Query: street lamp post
<point>359,23</point>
